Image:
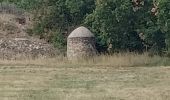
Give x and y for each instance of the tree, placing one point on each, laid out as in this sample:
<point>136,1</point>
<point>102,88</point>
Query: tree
<point>164,19</point>
<point>60,17</point>
<point>113,23</point>
<point>117,24</point>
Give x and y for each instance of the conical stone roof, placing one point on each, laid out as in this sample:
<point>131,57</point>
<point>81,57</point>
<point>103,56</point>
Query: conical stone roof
<point>81,32</point>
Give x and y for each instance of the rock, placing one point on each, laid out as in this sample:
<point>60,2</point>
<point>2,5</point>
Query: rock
<point>17,48</point>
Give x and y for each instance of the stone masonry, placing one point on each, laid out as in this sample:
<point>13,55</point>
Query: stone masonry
<point>80,44</point>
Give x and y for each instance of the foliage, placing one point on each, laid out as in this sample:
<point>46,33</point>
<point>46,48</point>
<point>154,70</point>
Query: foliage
<point>113,22</point>
<point>119,25</point>
<point>59,16</point>
<point>164,19</point>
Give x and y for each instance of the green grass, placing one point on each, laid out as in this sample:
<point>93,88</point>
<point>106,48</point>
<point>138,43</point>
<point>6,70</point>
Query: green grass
<point>58,79</point>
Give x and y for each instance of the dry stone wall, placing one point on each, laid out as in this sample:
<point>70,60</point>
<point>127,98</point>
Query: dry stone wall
<point>19,48</point>
<point>80,47</point>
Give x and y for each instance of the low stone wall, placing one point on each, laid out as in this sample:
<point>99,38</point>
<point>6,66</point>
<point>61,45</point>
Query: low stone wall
<point>19,48</point>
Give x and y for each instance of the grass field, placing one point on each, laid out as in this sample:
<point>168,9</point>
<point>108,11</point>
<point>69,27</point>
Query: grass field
<point>130,77</point>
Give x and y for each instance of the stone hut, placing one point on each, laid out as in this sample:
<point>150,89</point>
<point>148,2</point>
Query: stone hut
<point>80,44</point>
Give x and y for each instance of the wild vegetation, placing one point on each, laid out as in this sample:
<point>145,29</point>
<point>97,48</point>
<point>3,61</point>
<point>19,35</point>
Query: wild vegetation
<point>119,25</point>
<point>132,35</point>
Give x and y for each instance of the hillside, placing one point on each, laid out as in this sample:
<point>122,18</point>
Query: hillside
<point>15,43</point>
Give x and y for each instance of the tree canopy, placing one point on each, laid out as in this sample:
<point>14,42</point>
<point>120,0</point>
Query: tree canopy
<point>119,25</point>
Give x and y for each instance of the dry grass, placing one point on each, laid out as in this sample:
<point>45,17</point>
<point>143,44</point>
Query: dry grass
<point>99,78</point>
<point>116,60</point>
